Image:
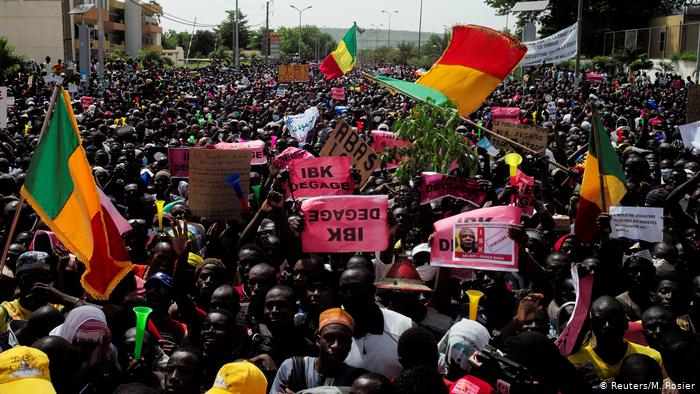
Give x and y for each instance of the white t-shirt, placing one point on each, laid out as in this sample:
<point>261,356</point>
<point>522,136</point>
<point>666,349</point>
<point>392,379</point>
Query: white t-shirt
<point>379,353</point>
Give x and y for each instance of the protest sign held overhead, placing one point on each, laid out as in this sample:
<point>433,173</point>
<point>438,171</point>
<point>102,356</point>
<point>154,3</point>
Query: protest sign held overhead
<point>179,159</point>
<point>293,73</point>
<point>300,125</point>
<point>505,114</point>
<point>341,224</point>
<point>556,48</point>
<point>484,245</point>
<point>387,139</point>
<point>436,186</point>
<point>323,176</point>
<point>288,155</point>
<point>442,252</point>
<point>256,148</point>
<point>218,182</point>
<point>690,134</point>
<point>532,137</point>
<point>637,223</point>
<point>526,193</point>
<point>338,93</point>
<point>345,142</point>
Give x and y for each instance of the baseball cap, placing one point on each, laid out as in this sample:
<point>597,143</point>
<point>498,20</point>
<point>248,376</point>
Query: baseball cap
<point>161,277</point>
<point>239,378</point>
<point>25,370</point>
<point>32,260</point>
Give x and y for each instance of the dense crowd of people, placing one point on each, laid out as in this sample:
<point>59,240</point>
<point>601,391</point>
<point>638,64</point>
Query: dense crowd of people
<point>239,308</point>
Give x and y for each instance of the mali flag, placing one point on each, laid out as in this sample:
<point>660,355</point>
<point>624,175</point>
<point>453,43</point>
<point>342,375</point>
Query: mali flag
<point>342,60</point>
<point>474,63</point>
<point>614,184</point>
<point>60,187</point>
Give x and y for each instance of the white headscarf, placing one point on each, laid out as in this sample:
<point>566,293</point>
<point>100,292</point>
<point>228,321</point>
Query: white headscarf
<point>461,341</point>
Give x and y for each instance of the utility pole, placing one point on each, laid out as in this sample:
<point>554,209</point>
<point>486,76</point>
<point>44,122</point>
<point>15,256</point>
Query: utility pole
<point>577,79</point>
<point>194,26</point>
<point>236,53</point>
<point>420,23</point>
<point>388,38</point>
<point>101,46</point>
<point>266,35</point>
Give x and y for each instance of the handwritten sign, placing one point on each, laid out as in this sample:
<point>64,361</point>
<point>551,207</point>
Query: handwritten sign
<point>532,137</point>
<point>323,176</point>
<point>505,114</point>
<point>256,148</point>
<point>692,113</point>
<point>340,224</point>
<point>211,173</point>
<point>436,186</point>
<point>442,248</point>
<point>345,142</point>
<point>484,245</point>
<point>179,159</point>
<point>338,93</point>
<point>638,223</point>
<point>293,73</point>
<point>289,155</point>
<point>387,139</point>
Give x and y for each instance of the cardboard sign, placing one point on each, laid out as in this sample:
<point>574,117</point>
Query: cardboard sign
<point>526,193</point>
<point>288,155</point>
<point>584,289</point>
<point>505,114</point>
<point>211,173</point>
<point>256,148</point>
<point>87,101</point>
<point>338,93</point>
<point>323,176</point>
<point>638,223</point>
<point>293,73</point>
<point>692,109</point>
<point>341,224</point>
<point>386,139</point>
<point>533,137</point>
<point>345,142</point>
<point>484,245</point>
<point>441,251</point>
<point>179,159</point>
<point>436,186</point>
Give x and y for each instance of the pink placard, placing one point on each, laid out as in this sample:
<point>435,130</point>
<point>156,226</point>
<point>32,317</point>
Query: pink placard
<point>505,114</point>
<point>597,77</point>
<point>179,159</point>
<point>288,155</point>
<point>526,193</point>
<point>441,251</point>
<point>256,148</point>
<point>87,101</point>
<point>340,224</point>
<point>322,176</point>
<point>386,139</point>
<point>338,93</point>
<point>438,186</point>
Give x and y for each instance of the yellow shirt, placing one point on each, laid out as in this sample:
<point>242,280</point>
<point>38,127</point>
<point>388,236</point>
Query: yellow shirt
<point>608,371</point>
<point>12,310</point>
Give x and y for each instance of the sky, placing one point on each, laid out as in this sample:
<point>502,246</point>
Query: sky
<point>336,13</point>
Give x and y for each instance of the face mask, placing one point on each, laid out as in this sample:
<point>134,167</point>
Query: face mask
<point>666,174</point>
<point>275,117</point>
<point>377,119</point>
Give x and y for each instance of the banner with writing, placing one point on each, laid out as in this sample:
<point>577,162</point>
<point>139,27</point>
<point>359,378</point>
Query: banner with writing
<point>256,148</point>
<point>345,142</point>
<point>218,183</point>
<point>526,193</point>
<point>533,137</point>
<point>300,125</point>
<point>484,245</point>
<point>436,186</point>
<point>505,114</point>
<point>293,73</point>
<point>338,93</point>
<point>637,223</point>
<point>179,159</point>
<point>340,224</point>
<point>556,48</point>
<point>288,155</point>
<point>441,251</point>
<point>322,176</point>
<point>387,139</point>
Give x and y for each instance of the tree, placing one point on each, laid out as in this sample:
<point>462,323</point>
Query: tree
<point>203,43</point>
<point>10,62</point>
<point>405,52</point>
<point>314,43</point>
<point>172,39</point>
<point>151,58</point>
<point>225,30</point>
<point>437,44</point>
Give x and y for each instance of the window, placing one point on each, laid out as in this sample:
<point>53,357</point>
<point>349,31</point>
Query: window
<point>662,41</point>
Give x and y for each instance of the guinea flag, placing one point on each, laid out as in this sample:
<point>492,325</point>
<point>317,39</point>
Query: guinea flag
<point>612,184</point>
<point>476,60</point>
<point>60,187</point>
<point>342,60</point>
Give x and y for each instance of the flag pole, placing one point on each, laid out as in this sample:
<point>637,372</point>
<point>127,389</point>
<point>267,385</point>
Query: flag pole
<point>601,175</point>
<point>15,219</point>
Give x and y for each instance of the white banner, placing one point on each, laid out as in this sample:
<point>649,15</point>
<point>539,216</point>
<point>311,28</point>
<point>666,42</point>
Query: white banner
<point>690,133</point>
<point>300,125</point>
<point>558,47</point>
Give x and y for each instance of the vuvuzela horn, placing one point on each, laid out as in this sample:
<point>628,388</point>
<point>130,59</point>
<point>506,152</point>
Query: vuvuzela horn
<point>474,297</point>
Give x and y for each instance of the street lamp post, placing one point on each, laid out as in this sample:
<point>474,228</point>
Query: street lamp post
<point>388,39</point>
<point>300,12</point>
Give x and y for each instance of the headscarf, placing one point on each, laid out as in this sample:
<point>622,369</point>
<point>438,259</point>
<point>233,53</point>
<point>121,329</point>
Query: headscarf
<point>87,324</point>
<point>461,341</point>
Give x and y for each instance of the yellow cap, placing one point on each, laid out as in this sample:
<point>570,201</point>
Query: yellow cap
<point>194,259</point>
<point>25,370</point>
<point>239,378</point>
